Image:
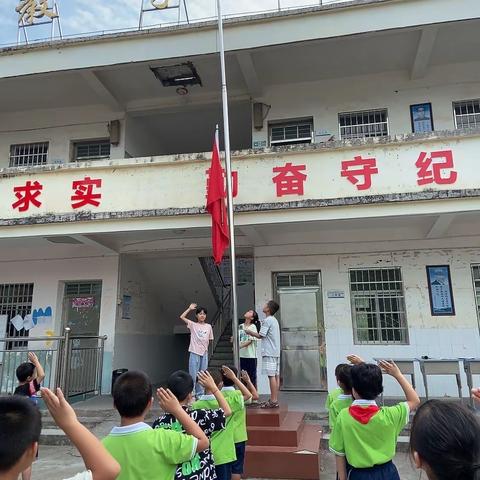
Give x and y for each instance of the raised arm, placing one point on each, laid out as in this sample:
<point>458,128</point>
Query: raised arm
<point>206,380</point>
<point>251,387</point>
<point>392,369</point>
<point>191,308</point>
<point>170,404</point>
<point>38,366</point>
<point>228,372</point>
<point>102,465</point>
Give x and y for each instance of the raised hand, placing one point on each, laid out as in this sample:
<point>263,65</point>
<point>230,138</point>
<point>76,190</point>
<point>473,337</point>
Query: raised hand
<point>390,368</point>
<point>245,376</point>
<point>355,359</point>
<point>193,306</point>
<point>206,381</point>
<point>228,372</point>
<point>168,401</point>
<point>61,411</point>
<point>476,394</point>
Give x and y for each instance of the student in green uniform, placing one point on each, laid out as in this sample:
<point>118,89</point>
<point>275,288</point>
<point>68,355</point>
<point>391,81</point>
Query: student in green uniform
<point>141,451</point>
<point>333,395</point>
<point>365,436</point>
<point>239,420</point>
<point>445,441</point>
<point>222,443</point>
<point>345,399</point>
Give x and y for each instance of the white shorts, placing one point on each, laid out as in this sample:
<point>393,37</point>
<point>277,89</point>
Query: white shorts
<point>271,366</point>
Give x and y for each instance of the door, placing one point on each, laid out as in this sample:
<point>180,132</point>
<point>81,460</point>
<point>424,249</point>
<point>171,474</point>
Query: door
<point>81,312</point>
<point>303,337</point>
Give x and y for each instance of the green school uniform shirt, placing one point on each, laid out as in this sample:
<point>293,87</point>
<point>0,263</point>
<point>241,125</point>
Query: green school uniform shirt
<point>373,443</point>
<point>331,397</point>
<point>239,418</point>
<point>222,443</point>
<point>146,453</point>
<point>343,401</point>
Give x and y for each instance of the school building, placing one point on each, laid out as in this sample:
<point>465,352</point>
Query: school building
<point>356,134</point>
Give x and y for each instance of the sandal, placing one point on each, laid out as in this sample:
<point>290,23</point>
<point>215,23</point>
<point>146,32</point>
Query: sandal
<point>269,404</point>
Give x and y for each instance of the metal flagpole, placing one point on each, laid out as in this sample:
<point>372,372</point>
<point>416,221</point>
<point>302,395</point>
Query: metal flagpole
<point>226,133</point>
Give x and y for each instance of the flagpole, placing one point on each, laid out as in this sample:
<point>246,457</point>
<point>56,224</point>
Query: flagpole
<point>228,165</point>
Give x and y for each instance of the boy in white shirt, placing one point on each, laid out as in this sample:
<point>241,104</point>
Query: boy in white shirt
<point>21,426</point>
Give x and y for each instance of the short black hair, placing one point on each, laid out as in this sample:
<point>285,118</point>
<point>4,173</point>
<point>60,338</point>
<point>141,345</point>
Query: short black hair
<point>344,377</point>
<point>21,424</point>
<point>25,370</point>
<point>338,368</point>
<point>132,392</point>
<point>367,380</point>
<point>446,436</point>
<point>226,381</point>
<point>180,384</point>
<point>273,307</point>
<point>216,375</point>
<point>200,310</point>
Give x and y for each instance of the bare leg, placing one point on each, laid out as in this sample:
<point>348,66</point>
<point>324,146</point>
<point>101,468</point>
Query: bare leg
<point>236,476</point>
<point>27,474</point>
<point>273,389</point>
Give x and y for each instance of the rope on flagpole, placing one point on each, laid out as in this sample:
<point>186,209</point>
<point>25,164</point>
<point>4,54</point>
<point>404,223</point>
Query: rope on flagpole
<point>228,165</point>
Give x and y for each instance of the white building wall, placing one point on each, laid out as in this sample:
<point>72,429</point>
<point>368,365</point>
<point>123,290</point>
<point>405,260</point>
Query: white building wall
<point>437,337</point>
<point>49,277</point>
<point>395,91</point>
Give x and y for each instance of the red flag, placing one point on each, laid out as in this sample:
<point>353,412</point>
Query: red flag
<point>216,206</point>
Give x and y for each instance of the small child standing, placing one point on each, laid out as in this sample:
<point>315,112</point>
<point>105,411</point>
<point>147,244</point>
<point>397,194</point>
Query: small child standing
<point>445,441</point>
<point>345,399</point>
<point>30,375</point>
<point>333,394</point>
<point>365,436</point>
<point>180,383</point>
<point>201,334</point>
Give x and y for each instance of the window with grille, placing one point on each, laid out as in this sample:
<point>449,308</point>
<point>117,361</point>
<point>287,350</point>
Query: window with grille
<point>476,286</point>
<point>83,288</point>
<point>15,299</point>
<point>28,154</point>
<point>378,306</point>
<point>291,132</point>
<point>369,123</point>
<point>467,113</point>
<point>304,279</point>
<point>96,150</point>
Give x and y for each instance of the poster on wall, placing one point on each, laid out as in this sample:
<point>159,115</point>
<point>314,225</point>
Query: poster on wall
<point>422,118</point>
<point>127,307</point>
<point>440,290</point>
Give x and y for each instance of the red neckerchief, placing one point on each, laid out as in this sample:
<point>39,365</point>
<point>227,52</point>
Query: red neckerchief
<point>363,414</point>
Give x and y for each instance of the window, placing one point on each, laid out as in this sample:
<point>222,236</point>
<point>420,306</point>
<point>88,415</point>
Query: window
<point>291,132</point>
<point>83,288</point>
<point>467,113</point>
<point>308,279</point>
<point>378,306</point>
<point>28,154</point>
<point>369,123</point>
<point>476,286</point>
<point>94,150</point>
<point>15,299</point>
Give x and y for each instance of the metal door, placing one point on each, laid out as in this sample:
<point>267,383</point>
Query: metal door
<point>303,337</point>
<point>81,312</point>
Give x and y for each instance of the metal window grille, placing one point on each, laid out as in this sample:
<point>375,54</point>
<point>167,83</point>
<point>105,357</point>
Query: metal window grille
<point>83,288</point>
<point>467,113</point>
<point>378,306</point>
<point>307,279</point>
<point>15,299</point>
<point>291,133</point>
<point>85,151</point>
<point>28,154</point>
<point>369,123</point>
<point>476,286</point>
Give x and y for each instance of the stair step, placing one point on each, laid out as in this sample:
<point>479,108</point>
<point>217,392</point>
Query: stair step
<point>300,463</point>
<point>258,417</point>
<point>53,436</point>
<point>286,435</point>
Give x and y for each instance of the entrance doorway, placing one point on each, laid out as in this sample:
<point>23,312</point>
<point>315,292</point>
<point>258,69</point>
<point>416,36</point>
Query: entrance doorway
<point>303,334</point>
<point>81,313</point>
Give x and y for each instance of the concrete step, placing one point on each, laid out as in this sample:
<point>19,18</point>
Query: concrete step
<point>286,435</point>
<point>259,417</point>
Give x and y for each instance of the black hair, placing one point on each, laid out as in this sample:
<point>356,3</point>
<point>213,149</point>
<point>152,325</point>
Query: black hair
<point>216,375</point>
<point>200,310</point>
<point>255,320</point>
<point>181,384</point>
<point>273,307</point>
<point>21,425</point>
<point>226,381</point>
<point>446,436</point>
<point>132,392</point>
<point>367,380</point>
<point>344,377</point>
<point>25,370</point>
<point>338,368</point>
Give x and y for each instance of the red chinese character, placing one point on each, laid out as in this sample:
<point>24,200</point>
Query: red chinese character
<point>360,167</point>
<point>234,181</point>
<point>431,171</point>
<point>289,180</point>
<point>27,195</point>
<point>84,192</point>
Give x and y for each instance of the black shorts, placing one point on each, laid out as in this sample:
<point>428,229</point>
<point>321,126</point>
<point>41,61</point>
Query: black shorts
<point>237,465</point>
